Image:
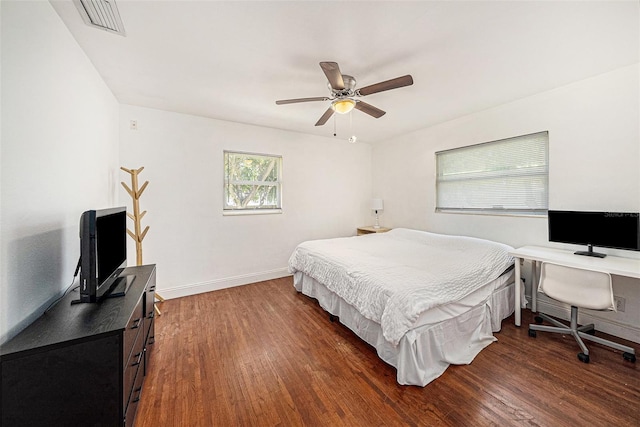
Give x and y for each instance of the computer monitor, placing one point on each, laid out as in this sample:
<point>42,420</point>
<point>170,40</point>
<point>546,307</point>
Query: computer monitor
<point>618,230</point>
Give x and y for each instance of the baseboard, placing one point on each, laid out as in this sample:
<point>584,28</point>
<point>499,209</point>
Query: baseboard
<point>622,330</point>
<point>217,284</point>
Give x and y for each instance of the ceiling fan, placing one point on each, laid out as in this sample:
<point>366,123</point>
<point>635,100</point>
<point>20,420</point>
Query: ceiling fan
<point>343,93</point>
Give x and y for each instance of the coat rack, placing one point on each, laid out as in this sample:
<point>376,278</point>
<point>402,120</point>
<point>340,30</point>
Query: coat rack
<point>137,235</point>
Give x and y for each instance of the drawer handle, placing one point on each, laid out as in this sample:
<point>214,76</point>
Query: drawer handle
<point>137,362</point>
<point>136,323</point>
<point>137,390</point>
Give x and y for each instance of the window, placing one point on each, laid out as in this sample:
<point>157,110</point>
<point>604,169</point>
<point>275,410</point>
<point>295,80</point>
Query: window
<point>252,183</point>
<point>508,176</point>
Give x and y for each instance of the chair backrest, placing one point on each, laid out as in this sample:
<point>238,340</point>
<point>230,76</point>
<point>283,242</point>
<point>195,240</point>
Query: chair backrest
<point>577,286</point>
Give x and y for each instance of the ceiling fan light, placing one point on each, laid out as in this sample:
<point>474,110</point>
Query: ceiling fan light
<point>343,106</point>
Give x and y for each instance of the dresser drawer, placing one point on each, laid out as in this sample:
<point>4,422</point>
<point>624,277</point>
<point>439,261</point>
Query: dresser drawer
<point>149,312</point>
<point>149,346</point>
<point>134,326</point>
<point>132,404</point>
<point>132,367</point>
<point>150,294</point>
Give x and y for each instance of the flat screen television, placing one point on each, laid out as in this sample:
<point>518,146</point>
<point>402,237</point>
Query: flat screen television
<point>103,254</point>
<point>617,230</point>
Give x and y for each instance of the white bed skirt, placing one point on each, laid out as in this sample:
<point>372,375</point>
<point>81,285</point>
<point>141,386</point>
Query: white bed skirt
<point>426,351</point>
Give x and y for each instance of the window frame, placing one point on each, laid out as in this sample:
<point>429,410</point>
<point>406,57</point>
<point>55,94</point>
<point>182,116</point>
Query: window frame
<point>521,212</point>
<point>226,210</point>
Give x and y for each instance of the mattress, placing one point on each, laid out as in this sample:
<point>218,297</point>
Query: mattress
<point>393,278</point>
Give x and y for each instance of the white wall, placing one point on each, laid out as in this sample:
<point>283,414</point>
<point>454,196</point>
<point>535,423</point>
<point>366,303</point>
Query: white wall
<point>58,158</point>
<point>326,192</point>
<point>594,164</point>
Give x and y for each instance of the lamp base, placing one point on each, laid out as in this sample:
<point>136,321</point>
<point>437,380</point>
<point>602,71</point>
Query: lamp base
<point>377,224</point>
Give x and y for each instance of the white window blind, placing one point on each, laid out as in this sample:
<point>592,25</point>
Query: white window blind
<point>508,176</point>
<point>252,182</point>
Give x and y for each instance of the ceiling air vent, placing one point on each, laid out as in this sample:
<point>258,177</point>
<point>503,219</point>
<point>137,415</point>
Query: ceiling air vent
<point>101,14</point>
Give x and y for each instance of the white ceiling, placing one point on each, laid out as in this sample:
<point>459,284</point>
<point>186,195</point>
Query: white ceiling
<point>231,60</point>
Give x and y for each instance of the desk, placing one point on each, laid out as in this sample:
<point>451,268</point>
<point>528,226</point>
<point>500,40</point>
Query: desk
<point>619,266</point>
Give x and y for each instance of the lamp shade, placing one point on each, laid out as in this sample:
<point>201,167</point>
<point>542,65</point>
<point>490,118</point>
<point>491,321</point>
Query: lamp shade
<point>377,204</point>
<point>343,106</point>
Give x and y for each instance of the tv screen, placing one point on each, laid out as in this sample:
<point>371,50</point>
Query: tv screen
<point>103,251</point>
<point>618,230</point>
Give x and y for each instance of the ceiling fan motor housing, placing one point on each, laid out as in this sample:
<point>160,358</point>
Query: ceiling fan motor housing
<point>349,86</point>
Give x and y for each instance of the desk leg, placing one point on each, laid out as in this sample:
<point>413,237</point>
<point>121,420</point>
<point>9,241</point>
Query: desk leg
<point>534,286</point>
<point>518,296</point>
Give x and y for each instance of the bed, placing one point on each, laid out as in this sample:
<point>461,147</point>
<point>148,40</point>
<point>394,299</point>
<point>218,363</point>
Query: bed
<point>423,300</point>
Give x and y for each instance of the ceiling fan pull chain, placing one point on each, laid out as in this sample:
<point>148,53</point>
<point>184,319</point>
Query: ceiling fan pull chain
<point>334,125</point>
<point>351,122</point>
<point>352,138</point>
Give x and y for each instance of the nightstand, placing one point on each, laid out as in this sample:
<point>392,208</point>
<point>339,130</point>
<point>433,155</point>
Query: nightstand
<point>369,230</point>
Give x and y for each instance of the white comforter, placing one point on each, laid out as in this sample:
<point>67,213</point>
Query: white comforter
<point>392,277</point>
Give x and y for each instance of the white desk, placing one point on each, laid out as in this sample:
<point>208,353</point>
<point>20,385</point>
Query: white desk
<point>627,267</point>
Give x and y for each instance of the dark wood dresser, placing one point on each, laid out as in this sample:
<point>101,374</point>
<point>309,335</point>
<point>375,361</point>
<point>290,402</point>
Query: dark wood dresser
<point>81,364</point>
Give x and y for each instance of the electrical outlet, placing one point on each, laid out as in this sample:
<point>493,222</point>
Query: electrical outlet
<point>619,303</point>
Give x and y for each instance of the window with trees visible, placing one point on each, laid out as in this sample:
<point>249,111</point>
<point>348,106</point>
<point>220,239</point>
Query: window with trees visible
<point>252,182</point>
<point>509,176</point>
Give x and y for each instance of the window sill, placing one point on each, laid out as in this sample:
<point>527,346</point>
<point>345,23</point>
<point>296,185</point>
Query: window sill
<point>240,212</point>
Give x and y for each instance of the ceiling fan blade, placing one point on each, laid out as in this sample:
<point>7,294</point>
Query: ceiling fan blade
<point>293,101</point>
<point>370,109</point>
<point>332,71</point>
<point>386,85</point>
<point>325,117</point>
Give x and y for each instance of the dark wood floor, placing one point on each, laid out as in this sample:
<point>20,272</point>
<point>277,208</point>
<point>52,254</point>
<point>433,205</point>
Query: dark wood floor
<point>264,355</point>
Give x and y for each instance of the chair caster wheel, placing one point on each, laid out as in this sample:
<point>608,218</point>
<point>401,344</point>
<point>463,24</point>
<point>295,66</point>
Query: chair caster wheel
<point>591,332</point>
<point>532,333</point>
<point>538,320</point>
<point>584,358</point>
<point>629,357</point>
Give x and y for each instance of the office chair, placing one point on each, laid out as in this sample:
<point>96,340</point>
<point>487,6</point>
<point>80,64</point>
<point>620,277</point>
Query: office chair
<point>578,288</point>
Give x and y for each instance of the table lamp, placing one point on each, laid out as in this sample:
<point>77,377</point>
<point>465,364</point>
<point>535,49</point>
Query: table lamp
<point>377,205</point>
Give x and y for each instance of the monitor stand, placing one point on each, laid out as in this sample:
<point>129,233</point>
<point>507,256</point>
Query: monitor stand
<point>590,252</point>
<point>121,286</point>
